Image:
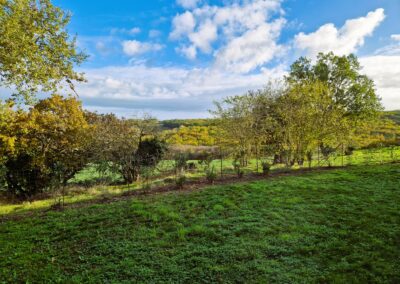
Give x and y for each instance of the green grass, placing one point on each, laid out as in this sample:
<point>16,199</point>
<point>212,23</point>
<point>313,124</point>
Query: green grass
<point>91,190</point>
<point>340,226</point>
<point>89,176</point>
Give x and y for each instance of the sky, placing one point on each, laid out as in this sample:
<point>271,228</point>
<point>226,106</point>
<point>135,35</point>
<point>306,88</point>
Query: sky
<point>172,59</point>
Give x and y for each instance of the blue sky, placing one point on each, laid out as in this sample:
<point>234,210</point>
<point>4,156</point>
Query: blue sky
<point>172,59</point>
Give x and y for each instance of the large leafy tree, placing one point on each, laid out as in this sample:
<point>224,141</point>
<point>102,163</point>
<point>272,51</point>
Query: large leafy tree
<point>36,51</point>
<point>319,105</point>
<point>309,118</point>
<point>351,90</point>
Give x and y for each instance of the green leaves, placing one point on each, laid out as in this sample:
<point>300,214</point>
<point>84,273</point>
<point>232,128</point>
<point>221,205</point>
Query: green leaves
<point>36,51</point>
<point>351,90</point>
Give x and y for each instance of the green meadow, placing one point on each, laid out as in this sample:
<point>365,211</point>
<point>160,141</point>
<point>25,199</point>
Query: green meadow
<point>336,226</point>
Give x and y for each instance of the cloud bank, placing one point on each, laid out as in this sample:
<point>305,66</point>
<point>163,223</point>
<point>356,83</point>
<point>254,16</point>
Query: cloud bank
<point>242,46</point>
<point>342,41</point>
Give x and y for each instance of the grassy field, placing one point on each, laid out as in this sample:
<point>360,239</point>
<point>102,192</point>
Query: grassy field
<point>89,176</point>
<point>84,186</point>
<point>340,226</point>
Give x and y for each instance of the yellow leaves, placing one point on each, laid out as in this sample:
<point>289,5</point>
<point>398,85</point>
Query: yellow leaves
<point>52,127</point>
<point>192,135</point>
<point>7,144</point>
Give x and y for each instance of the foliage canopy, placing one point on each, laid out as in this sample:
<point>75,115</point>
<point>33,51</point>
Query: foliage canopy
<point>36,51</point>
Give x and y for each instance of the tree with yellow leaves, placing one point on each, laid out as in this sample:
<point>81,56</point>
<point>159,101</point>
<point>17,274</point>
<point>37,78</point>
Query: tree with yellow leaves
<point>46,145</point>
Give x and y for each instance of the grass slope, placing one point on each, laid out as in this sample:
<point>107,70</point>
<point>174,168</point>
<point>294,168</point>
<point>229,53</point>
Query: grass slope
<point>336,226</point>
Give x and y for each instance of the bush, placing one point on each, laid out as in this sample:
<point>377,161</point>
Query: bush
<point>238,168</point>
<point>266,168</point>
<point>349,151</point>
<point>180,181</point>
<point>180,163</point>
<point>50,144</point>
<point>211,175</point>
<point>169,180</point>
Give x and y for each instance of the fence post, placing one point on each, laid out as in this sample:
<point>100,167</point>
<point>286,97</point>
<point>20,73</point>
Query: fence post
<point>220,153</point>
<point>342,155</point>
<point>257,157</point>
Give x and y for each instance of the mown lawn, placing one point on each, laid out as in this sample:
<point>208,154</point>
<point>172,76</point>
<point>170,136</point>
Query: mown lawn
<point>338,226</point>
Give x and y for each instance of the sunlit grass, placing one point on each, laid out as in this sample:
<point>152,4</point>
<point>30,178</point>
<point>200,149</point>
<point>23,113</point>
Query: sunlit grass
<point>77,193</point>
<point>339,226</point>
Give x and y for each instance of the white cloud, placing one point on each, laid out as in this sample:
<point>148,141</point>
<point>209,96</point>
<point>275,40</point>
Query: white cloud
<point>252,49</point>
<point>341,41</point>
<point>204,36</point>
<point>391,49</point>
<point>188,51</point>
<point>190,92</point>
<point>241,36</point>
<point>182,24</point>
<point>395,37</point>
<point>102,48</point>
<point>385,71</point>
<point>132,31</point>
<point>244,32</point>
<point>166,90</point>
<point>154,33</point>
<point>188,4</point>
<point>135,47</point>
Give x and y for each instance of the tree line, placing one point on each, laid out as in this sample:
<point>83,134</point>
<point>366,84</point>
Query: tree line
<point>317,107</point>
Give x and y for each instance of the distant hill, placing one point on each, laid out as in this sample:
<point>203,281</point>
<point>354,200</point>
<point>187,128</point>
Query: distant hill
<point>393,115</point>
<point>176,123</point>
<point>200,132</point>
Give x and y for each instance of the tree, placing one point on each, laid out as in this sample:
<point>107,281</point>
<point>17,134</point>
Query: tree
<point>114,142</point>
<point>236,123</point>
<point>125,146</point>
<point>36,52</point>
<point>7,124</point>
<point>248,123</point>
<point>352,91</point>
<point>149,153</point>
<point>350,98</point>
<point>49,146</point>
<point>309,118</point>
<point>318,106</point>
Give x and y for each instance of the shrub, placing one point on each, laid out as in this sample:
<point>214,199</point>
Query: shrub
<point>49,145</point>
<point>211,175</point>
<point>266,168</point>
<point>238,168</point>
<point>349,150</point>
<point>180,181</point>
<point>180,163</point>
